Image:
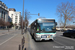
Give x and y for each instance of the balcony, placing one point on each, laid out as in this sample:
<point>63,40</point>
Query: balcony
<point>2,5</point>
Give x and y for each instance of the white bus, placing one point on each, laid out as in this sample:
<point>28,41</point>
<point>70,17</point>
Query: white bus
<point>43,29</point>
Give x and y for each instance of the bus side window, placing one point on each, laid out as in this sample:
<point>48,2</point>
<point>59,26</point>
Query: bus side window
<point>35,27</point>
<point>32,27</point>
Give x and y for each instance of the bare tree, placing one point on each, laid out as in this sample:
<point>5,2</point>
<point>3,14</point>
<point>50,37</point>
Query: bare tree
<point>27,16</point>
<point>66,11</point>
<point>7,24</point>
<point>23,23</point>
<point>2,22</point>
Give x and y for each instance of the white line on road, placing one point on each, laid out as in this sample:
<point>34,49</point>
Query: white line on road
<point>59,43</point>
<point>7,40</point>
<point>2,34</point>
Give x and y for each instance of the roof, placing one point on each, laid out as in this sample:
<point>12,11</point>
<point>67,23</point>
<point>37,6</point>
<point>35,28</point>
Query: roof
<point>12,9</point>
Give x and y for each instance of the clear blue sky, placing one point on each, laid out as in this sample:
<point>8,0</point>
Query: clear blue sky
<point>46,8</point>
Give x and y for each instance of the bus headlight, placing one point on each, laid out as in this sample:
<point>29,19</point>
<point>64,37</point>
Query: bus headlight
<point>37,35</point>
<point>54,35</point>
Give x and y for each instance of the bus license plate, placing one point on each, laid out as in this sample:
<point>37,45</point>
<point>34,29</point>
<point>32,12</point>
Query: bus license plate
<point>44,36</point>
<point>48,36</point>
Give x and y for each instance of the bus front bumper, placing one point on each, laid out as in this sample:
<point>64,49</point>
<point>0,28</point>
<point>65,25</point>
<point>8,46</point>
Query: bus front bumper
<point>40,39</point>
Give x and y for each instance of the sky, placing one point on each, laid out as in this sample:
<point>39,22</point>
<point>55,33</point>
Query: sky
<point>46,8</point>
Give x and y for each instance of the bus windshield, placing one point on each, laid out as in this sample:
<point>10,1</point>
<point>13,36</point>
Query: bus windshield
<point>46,26</point>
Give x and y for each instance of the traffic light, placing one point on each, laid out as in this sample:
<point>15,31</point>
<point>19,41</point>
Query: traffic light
<point>38,14</point>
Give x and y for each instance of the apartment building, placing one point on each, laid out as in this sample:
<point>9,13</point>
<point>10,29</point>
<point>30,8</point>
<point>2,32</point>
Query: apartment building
<point>15,17</point>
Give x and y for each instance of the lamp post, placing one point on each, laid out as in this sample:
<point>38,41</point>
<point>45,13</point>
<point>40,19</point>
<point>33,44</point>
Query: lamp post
<point>22,18</point>
<point>32,14</point>
<point>23,39</point>
<point>60,27</point>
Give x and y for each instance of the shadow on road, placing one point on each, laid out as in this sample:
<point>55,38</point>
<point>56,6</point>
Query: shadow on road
<point>67,36</point>
<point>45,41</point>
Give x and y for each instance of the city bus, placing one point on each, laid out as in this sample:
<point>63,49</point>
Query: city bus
<point>43,29</point>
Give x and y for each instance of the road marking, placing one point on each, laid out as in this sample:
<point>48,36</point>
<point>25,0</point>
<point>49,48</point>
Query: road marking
<point>67,38</point>
<point>7,33</point>
<point>7,40</point>
<point>2,34</point>
<point>59,43</point>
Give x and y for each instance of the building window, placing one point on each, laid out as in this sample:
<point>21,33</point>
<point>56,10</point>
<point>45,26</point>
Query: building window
<point>11,15</point>
<point>16,20</point>
<point>4,15</point>
<point>15,17</point>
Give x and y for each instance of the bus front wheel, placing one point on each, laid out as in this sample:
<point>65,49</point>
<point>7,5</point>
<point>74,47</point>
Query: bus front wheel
<point>51,40</point>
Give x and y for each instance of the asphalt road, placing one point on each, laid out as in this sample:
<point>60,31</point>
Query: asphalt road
<point>7,37</point>
<point>60,43</point>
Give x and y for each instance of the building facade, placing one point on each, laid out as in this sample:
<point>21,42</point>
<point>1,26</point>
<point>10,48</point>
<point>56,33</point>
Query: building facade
<point>3,11</point>
<point>15,17</point>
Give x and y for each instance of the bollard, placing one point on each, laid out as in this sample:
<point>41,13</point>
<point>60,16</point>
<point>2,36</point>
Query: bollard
<point>23,42</point>
<point>25,49</point>
<point>19,47</point>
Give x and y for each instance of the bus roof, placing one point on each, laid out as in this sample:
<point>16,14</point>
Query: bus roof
<point>46,18</point>
<point>43,19</point>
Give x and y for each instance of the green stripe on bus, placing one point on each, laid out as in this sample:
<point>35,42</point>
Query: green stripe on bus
<point>45,33</point>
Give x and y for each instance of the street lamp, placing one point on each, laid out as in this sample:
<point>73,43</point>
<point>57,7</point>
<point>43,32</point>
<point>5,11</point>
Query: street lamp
<point>60,26</point>
<point>38,14</point>
<point>35,14</point>
<point>22,18</point>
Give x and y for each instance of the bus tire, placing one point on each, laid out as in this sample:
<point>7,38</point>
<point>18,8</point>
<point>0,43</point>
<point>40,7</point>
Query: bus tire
<point>51,40</point>
<point>35,40</point>
<point>33,36</point>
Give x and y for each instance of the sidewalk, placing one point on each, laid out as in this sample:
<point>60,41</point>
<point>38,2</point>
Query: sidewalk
<point>12,44</point>
<point>27,41</point>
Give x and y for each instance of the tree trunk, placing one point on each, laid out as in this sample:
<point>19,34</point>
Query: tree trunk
<point>8,29</point>
<point>65,24</point>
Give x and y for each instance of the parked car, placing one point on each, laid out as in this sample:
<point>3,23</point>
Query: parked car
<point>69,33</point>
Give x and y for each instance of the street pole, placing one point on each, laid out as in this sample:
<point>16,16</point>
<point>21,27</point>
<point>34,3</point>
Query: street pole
<point>22,17</point>
<point>60,27</point>
<point>74,28</point>
<point>25,22</point>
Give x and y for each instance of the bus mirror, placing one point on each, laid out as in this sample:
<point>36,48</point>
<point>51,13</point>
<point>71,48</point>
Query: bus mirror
<point>56,23</point>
